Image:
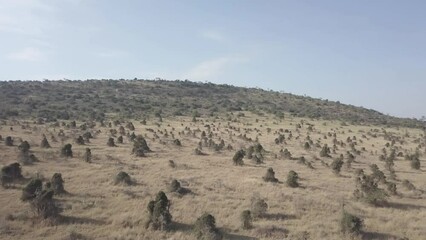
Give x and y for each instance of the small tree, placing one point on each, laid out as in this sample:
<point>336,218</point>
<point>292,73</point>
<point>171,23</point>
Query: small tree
<point>123,178</point>
<point>24,146</point>
<point>378,175</point>
<point>29,191</point>
<point>140,147</point>
<point>57,184</point>
<point>336,165</point>
<point>44,205</point>
<point>175,186</point>
<point>10,173</point>
<point>238,157</point>
<point>8,141</point>
<point>120,139</point>
<point>415,163</point>
<point>350,224</point>
<point>66,151</point>
<point>246,219</point>
<point>159,215</point>
<point>368,190</point>
<point>177,142</point>
<point>258,207</point>
<point>44,143</point>
<point>307,146</point>
<point>325,151</point>
<point>79,140</point>
<point>88,155</point>
<point>270,176</point>
<point>292,179</point>
<point>111,142</point>
<point>205,228</point>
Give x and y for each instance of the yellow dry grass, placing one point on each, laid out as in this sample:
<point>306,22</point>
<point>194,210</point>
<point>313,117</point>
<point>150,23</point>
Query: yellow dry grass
<point>98,209</point>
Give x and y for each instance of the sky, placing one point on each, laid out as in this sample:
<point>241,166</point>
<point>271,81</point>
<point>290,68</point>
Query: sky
<point>369,53</point>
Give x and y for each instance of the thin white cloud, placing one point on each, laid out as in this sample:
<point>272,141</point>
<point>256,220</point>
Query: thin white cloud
<point>112,53</point>
<point>28,54</point>
<point>212,68</point>
<point>213,35</point>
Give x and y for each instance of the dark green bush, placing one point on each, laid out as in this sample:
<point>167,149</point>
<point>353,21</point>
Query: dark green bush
<point>123,178</point>
<point>336,165</point>
<point>270,176</point>
<point>44,143</point>
<point>66,150</point>
<point>10,173</point>
<point>57,184</point>
<point>159,215</point>
<point>8,141</point>
<point>246,220</point>
<point>292,179</point>
<point>88,155</point>
<point>350,224</point>
<point>205,228</point>
<point>238,157</point>
<point>29,191</point>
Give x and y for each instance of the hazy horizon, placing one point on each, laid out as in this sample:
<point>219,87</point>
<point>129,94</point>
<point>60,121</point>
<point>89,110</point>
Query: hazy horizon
<point>362,53</point>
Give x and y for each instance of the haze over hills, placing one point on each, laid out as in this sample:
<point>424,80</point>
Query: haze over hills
<point>97,99</point>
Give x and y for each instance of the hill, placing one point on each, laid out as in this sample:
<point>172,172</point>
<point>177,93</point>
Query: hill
<point>96,99</point>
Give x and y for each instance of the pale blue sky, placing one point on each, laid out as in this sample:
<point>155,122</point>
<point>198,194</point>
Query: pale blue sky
<point>366,53</point>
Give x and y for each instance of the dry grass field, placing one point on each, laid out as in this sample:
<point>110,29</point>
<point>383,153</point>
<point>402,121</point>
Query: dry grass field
<point>97,208</point>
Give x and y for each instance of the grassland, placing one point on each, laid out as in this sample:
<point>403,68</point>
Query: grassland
<point>96,208</point>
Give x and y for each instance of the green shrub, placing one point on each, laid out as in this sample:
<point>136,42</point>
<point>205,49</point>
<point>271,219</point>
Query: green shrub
<point>123,178</point>
<point>44,205</point>
<point>368,190</point>
<point>111,142</point>
<point>391,187</point>
<point>57,184</point>
<point>66,150</point>
<point>174,186</point>
<point>8,141</point>
<point>140,146</point>
<point>325,151</point>
<point>350,224</point>
<point>415,163</point>
<point>246,220</point>
<point>238,157</point>
<point>336,165</point>
<point>29,191</point>
<point>258,207</point>
<point>79,140</point>
<point>378,175</point>
<point>270,176</point>
<point>159,215</point>
<point>88,155</point>
<point>10,173</point>
<point>292,179</point>
<point>177,142</point>
<point>44,143</point>
<point>205,228</point>
<point>24,146</point>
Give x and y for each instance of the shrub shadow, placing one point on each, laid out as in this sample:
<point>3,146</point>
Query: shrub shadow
<point>80,220</point>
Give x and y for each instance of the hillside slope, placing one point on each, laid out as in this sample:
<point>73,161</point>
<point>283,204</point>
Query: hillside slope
<point>92,99</point>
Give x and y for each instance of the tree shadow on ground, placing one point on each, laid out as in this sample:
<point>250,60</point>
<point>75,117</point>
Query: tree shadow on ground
<point>183,227</point>
<point>279,216</point>
<point>403,206</point>
<point>80,220</point>
<point>378,236</point>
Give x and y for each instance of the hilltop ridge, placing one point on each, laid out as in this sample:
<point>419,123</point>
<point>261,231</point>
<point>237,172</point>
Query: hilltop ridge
<point>95,99</point>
